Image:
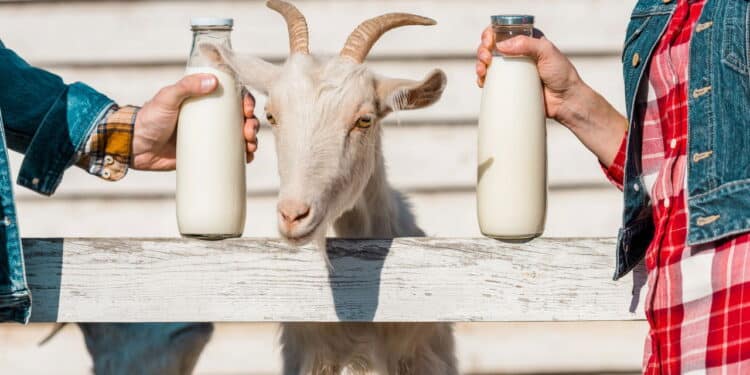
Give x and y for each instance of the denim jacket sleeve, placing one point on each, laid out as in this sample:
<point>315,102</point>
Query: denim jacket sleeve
<point>45,119</point>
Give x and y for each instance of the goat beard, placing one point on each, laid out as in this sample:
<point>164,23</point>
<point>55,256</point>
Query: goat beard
<point>321,243</point>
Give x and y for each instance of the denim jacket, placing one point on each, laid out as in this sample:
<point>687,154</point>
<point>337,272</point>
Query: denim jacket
<point>49,122</point>
<point>718,182</point>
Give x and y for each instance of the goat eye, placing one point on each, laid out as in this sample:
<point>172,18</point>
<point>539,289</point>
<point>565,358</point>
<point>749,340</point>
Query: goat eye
<point>271,119</point>
<point>364,122</point>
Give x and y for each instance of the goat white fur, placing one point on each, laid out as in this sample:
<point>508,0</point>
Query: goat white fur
<point>326,119</point>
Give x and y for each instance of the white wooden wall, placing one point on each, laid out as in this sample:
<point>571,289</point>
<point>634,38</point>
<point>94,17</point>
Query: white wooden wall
<point>129,49</point>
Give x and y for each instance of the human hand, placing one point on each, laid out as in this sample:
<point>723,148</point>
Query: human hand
<point>155,135</point>
<point>568,99</point>
<point>559,77</point>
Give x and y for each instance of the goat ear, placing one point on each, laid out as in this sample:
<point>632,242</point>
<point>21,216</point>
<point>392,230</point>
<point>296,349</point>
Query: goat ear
<point>403,94</point>
<point>251,71</point>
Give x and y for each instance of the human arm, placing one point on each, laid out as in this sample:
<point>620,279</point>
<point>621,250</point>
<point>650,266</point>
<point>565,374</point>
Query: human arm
<point>57,125</point>
<point>45,119</point>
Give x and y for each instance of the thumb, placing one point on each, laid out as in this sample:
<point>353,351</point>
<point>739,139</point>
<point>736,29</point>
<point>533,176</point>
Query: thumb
<point>523,46</point>
<point>189,86</point>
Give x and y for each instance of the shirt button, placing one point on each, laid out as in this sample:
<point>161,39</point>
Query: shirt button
<point>7,221</point>
<point>703,26</point>
<point>701,155</point>
<point>108,160</point>
<point>636,59</point>
<point>673,144</point>
<point>106,174</point>
<point>636,187</point>
<point>35,181</point>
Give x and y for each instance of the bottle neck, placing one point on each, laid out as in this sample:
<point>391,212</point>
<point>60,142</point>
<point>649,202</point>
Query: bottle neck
<point>220,37</point>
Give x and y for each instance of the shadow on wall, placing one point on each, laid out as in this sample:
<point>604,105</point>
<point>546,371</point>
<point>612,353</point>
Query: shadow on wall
<point>44,259</point>
<point>355,278</point>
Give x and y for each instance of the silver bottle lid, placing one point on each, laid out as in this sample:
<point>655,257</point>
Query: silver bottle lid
<point>512,19</point>
<point>211,22</point>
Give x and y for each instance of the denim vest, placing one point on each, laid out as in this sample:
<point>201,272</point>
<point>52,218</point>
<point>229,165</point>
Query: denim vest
<point>48,121</point>
<point>718,182</point>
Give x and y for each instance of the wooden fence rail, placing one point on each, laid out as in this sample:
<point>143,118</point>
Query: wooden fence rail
<point>266,280</point>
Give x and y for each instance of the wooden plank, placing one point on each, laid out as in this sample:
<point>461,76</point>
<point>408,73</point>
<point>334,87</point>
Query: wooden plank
<point>515,348</point>
<point>571,213</point>
<point>444,160</point>
<point>144,32</point>
<point>481,348</point>
<point>460,103</point>
<point>266,280</point>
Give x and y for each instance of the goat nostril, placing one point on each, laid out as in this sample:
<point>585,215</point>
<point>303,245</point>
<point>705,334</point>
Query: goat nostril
<point>293,211</point>
<point>303,215</point>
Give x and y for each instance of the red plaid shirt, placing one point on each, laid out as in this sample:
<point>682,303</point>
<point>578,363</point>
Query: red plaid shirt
<point>697,294</point>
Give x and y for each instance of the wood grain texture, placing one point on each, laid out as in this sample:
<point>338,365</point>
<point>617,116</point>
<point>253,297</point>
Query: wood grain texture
<point>266,280</point>
<point>460,102</point>
<point>571,213</point>
<point>444,161</point>
<point>252,349</point>
<point>149,31</point>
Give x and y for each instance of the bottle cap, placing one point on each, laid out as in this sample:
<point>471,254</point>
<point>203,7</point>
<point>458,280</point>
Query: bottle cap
<point>512,19</point>
<point>211,22</point>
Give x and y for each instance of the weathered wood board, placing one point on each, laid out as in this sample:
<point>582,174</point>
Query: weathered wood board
<point>460,102</point>
<point>571,213</point>
<point>148,31</point>
<point>251,349</point>
<point>266,280</point>
<point>445,160</point>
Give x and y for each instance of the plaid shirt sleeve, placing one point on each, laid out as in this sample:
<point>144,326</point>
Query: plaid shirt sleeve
<point>616,172</point>
<point>107,152</point>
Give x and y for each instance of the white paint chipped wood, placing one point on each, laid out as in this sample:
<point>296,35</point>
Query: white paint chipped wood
<point>460,102</point>
<point>266,280</point>
<point>251,349</point>
<point>148,31</point>
<point>571,213</point>
<point>444,161</point>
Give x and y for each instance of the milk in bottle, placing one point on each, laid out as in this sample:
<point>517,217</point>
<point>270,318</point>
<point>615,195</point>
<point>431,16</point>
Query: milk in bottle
<point>211,147</point>
<point>512,149</point>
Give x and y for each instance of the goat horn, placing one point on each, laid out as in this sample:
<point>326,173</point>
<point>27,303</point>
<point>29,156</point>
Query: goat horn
<point>299,37</point>
<point>365,36</point>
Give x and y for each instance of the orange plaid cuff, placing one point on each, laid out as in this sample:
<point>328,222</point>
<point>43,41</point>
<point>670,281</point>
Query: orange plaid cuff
<point>108,151</point>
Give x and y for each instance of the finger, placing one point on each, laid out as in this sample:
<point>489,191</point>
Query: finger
<point>481,69</point>
<point>484,55</point>
<point>480,82</point>
<point>488,38</point>
<point>248,105</point>
<point>192,85</point>
<point>250,157</point>
<point>524,46</point>
<point>252,146</point>
<point>250,130</point>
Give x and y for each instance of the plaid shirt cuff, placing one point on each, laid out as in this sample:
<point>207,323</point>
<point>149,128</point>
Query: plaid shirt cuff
<point>108,150</point>
<point>616,172</point>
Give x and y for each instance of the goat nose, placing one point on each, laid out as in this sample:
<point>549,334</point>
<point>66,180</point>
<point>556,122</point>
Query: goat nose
<point>293,211</point>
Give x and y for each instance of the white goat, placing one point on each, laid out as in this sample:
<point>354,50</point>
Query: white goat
<point>326,119</point>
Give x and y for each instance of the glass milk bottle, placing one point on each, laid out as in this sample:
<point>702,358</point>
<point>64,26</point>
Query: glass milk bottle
<point>211,148</point>
<point>512,170</point>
